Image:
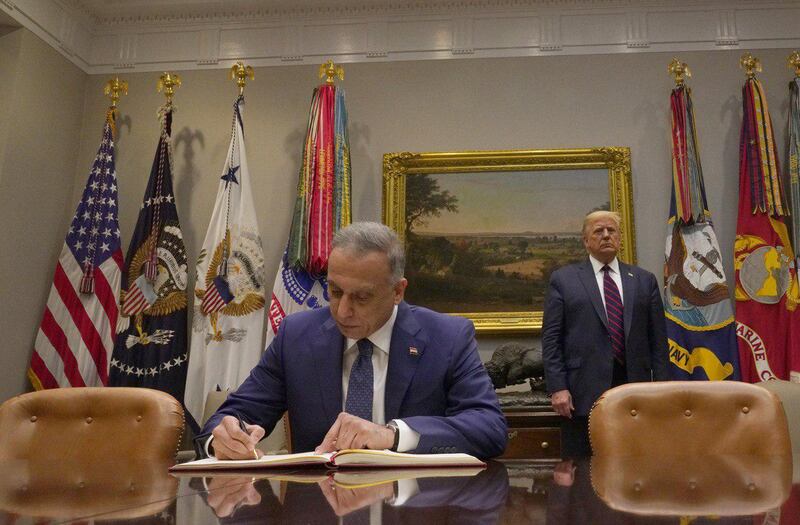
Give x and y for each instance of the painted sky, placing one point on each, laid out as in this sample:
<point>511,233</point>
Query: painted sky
<point>513,202</point>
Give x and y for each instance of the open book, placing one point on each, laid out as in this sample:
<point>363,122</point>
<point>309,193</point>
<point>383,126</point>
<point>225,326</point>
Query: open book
<point>351,458</point>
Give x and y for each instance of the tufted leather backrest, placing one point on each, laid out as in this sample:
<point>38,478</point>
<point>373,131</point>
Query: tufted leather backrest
<point>685,418</point>
<point>91,423</point>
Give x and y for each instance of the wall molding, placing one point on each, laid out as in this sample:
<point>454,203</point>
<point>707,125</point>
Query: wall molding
<point>156,35</point>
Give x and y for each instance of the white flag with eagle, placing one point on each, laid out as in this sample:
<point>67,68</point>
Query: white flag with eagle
<point>228,321</point>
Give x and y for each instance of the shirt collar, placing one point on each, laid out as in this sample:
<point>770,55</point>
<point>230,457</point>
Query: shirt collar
<point>380,338</point>
<point>597,266</point>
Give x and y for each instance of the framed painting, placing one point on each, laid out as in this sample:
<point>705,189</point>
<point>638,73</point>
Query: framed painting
<point>483,230</point>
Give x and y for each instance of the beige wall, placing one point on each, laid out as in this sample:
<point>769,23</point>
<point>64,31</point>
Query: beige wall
<point>542,102</point>
<point>539,102</point>
<point>42,116</point>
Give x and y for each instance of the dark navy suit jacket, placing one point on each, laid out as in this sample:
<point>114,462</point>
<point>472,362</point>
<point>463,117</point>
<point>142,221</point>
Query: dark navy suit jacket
<point>575,341</point>
<point>435,383</point>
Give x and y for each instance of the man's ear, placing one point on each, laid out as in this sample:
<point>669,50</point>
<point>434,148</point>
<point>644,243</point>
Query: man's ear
<point>400,290</point>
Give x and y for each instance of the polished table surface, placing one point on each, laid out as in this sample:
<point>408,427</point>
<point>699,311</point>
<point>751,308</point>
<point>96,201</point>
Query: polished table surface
<point>718,490</point>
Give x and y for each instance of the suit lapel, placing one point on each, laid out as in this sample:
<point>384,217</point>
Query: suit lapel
<point>327,348</point>
<point>628,296</point>
<point>589,281</point>
<point>403,360</point>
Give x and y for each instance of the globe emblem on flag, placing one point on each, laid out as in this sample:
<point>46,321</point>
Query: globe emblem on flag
<point>765,274</point>
<point>304,289</point>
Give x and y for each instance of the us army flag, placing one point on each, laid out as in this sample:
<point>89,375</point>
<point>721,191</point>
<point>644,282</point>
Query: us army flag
<point>767,315</point>
<point>228,323</point>
<point>697,305</point>
<point>322,207</point>
<point>150,349</point>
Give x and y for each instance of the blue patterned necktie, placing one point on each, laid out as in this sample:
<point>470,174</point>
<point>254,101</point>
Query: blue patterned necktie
<point>616,326</point>
<point>359,388</point>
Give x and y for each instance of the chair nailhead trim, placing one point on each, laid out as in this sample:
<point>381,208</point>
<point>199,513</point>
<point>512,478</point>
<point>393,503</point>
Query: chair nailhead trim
<point>745,410</point>
<point>33,419</point>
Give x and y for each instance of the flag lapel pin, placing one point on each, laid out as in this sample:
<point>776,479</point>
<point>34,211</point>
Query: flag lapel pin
<point>413,352</point>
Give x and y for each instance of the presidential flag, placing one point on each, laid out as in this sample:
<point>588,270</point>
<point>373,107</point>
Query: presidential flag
<point>150,350</point>
<point>322,207</point>
<point>699,314</point>
<point>76,336</point>
<point>767,317</point>
<point>228,325</point>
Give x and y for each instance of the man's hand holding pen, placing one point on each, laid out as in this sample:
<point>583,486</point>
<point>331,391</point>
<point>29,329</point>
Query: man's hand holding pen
<point>235,439</point>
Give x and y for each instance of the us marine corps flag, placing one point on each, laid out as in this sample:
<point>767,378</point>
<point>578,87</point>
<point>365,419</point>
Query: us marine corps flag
<point>228,325</point>
<point>767,317</point>
<point>76,336</point>
<point>150,350</point>
<point>321,208</point>
<point>697,305</point>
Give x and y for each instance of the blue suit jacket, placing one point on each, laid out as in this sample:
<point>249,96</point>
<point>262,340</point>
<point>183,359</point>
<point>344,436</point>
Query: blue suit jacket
<point>575,341</point>
<point>442,390</point>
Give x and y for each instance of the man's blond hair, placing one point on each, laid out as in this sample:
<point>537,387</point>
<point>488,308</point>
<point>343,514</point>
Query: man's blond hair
<point>601,214</point>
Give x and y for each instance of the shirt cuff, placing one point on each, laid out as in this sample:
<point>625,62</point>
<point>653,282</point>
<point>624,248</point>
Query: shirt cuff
<point>406,489</point>
<point>207,448</point>
<point>408,437</point>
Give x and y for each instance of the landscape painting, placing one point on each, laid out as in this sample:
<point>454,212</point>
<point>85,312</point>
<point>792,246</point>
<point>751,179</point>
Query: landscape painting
<point>487,242</point>
<point>482,236</point>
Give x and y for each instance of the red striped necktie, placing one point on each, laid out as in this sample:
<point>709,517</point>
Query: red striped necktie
<point>616,326</point>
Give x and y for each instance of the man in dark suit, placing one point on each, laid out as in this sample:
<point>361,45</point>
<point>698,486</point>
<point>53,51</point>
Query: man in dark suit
<point>603,326</point>
<point>370,371</point>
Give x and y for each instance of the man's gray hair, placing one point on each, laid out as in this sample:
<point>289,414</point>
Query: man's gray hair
<point>366,237</point>
<point>601,214</point>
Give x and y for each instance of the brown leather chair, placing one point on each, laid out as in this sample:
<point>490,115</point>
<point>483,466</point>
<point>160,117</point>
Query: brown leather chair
<point>686,419</point>
<point>93,423</point>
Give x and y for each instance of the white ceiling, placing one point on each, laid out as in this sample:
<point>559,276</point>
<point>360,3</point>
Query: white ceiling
<point>104,36</point>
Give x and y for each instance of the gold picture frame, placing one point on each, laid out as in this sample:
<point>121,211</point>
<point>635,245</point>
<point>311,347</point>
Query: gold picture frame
<point>530,166</point>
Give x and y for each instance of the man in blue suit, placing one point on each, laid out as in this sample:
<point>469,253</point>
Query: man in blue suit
<point>603,326</point>
<point>370,371</point>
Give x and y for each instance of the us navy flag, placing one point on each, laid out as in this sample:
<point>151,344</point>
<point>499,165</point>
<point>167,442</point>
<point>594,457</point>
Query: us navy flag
<point>150,349</point>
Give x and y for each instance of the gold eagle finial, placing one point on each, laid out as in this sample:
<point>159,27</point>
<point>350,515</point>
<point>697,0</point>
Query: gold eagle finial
<point>750,64</point>
<point>679,70</point>
<point>331,70</point>
<point>168,82</point>
<point>240,73</point>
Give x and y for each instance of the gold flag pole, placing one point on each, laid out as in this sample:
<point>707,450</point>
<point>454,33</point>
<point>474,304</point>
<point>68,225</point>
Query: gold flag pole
<point>750,64</point>
<point>794,63</point>
<point>113,89</point>
<point>240,73</point>
<point>168,82</point>
<point>679,70</point>
<point>331,70</point>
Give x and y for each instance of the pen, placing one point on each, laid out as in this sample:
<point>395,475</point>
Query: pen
<point>244,429</point>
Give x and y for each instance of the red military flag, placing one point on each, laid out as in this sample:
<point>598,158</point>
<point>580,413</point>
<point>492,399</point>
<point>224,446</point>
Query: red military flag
<point>767,317</point>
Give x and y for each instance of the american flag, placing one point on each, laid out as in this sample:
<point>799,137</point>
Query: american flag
<point>77,331</point>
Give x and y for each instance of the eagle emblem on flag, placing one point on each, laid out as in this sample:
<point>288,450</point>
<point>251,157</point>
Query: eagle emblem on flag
<point>234,282</point>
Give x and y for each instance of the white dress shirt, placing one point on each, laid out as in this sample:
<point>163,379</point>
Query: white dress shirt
<point>381,341</point>
<point>598,275</point>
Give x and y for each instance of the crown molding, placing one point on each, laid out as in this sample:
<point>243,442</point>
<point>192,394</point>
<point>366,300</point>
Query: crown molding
<point>104,36</point>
